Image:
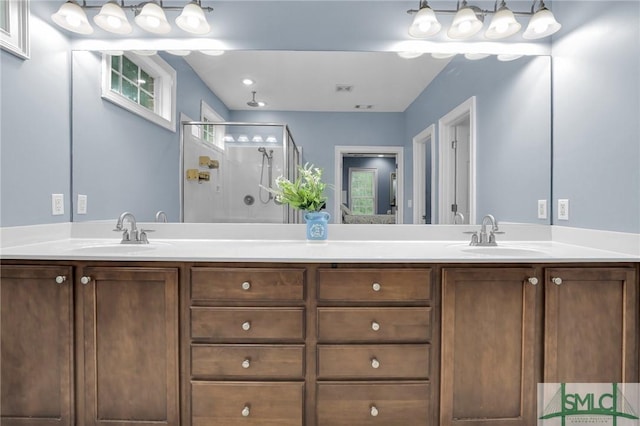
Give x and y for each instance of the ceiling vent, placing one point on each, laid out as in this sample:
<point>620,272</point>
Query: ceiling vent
<point>344,88</point>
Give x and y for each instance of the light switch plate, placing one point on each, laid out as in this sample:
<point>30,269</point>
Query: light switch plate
<point>542,209</point>
<point>563,209</point>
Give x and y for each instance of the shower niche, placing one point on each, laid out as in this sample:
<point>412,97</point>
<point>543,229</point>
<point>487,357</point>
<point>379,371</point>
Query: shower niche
<point>248,157</point>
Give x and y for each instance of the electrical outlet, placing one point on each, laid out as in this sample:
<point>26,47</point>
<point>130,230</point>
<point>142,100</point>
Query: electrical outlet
<point>542,209</point>
<point>57,204</point>
<point>563,209</point>
<point>82,204</point>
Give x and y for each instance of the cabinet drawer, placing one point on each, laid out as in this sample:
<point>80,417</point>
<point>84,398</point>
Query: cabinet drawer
<point>259,284</point>
<point>373,361</point>
<point>374,324</point>
<point>374,285</point>
<point>371,404</point>
<point>247,403</point>
<point>248,324</point>
<point>242,361</point>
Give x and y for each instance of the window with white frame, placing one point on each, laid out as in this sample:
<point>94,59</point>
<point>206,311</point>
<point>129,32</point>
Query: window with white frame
<point>211,133</point>
<point>144,85</point>
<point>363,190</point>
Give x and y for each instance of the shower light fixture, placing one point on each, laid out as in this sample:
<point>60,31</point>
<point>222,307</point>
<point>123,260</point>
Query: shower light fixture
<point>148,15</point>
<point>469,20</point>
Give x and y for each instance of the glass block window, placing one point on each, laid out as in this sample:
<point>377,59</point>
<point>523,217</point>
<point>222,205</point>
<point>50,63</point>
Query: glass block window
<point>132,82</point>
<point>144,85</point>
<point>362,190</point>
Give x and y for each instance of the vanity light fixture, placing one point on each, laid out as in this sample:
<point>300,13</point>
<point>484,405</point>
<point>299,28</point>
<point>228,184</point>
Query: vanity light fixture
<point>410,54</point>
<point>476,56</point>
<point>505,57</point>
<point>437,55</point>
<point>212,52</point>
<point>469,20</point>
<point>148,15</point>
<point>179,52</point>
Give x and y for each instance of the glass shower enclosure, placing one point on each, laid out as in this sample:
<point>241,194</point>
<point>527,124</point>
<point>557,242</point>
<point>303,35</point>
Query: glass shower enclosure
<point>227,168</point>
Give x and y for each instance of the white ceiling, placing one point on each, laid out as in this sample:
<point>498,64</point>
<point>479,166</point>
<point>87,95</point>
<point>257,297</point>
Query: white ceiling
<point>306,80</point>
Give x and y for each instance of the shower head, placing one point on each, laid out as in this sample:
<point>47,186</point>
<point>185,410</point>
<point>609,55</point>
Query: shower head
<point>253,103</point>
<point>262,149</point>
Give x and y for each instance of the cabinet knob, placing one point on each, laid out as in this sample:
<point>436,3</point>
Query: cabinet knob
<point>375,326</point>
<point>376,286</point>
<point>246,363</point>
<point>246,411</point>
<point>246,285</point>
<point>374,411</point>
<point>85,280</point>
<point>60,279</point>
<point>246,326</point>
<point>375,363</point>
<point>533,280</point>
<point>556,280</point>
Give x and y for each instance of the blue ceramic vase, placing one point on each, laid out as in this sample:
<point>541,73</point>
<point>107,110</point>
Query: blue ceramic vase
<point>317,225</point>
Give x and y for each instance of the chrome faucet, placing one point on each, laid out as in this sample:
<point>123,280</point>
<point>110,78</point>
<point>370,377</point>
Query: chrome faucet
<point>456,216</point>
<point>484,238</point>
<point>134,236</point>
<point>161,216</point>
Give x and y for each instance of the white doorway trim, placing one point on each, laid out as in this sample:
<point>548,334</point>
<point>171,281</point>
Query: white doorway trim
<point>445,125</point>
<point>341,150</point>
<point>420,173</point>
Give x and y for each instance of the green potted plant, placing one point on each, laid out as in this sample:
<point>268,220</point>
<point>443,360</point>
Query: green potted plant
<point>306,193</point>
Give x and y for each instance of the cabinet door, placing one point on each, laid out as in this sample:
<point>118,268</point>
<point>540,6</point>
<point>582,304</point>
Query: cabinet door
<point>488,339</point>
<point>36,326</point>
<point>591,325</point>
<point>130,326</point>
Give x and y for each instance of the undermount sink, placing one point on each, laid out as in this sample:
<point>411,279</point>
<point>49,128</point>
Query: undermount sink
<point>502,251</point>
<point>116,248</point>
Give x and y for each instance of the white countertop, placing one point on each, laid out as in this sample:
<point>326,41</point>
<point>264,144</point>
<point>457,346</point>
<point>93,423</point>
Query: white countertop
<point>281,243</point>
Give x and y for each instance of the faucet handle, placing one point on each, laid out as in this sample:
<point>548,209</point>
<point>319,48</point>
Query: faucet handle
<point>142,236</point>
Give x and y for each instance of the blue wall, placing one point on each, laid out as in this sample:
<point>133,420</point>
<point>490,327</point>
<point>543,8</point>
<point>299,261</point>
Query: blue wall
<point>513,130</point>
<point>146,156</point>
<point>596,106</point>
<point>35,154</point>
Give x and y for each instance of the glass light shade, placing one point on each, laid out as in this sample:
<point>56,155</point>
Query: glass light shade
<point>542,24</point>
<point>152,19</point>
<point>425,23</point>
<point>112,18</point>
<point>476,56</point>
<point>179,52</point>
<point>502,25</point>
<point>505,57</point>
<point>465,24</point>
<point>71,17</point>
<point>410,54</point>
<point>145,52</point>
<point>192,19</point>
<point>212,52</point>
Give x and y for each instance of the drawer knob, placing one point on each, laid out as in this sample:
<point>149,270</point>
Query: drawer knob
<point>85,280</point>
<point>556,280</point>
<point>60,279</point>
<point>374,411</point>
<point>375,363</point>
<point>376,286</point>
<point>375,326</point>
<point>246,363</point>
<point>533,280</point>
<point>246,285</point>
<point>246,326</point>
<point>246,411</point>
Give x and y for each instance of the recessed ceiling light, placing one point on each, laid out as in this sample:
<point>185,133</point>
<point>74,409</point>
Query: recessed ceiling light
<point>341,88</point>
<point>363,106</point>
<point>247,82</point>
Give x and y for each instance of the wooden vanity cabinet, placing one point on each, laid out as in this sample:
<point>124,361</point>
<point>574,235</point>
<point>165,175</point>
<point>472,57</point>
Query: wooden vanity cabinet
<point>127,324</point>
<point>591,325</point>
<point>373,353</point>
<point>488,346</point>
<point>36,328</point>
<point>247,350</point>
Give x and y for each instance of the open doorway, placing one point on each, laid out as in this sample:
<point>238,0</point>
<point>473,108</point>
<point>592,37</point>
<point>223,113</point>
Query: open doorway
<point>424,182</point>
<point>456,163</point>
<point>369,184</point>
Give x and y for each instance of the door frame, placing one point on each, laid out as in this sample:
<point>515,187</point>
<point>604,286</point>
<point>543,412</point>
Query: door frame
<point>420,173</point>
<point>445,125</point>
<point>341,150</point>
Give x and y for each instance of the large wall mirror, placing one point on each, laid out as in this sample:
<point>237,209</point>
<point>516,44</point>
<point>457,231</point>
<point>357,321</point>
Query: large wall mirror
<point>122,161</point>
